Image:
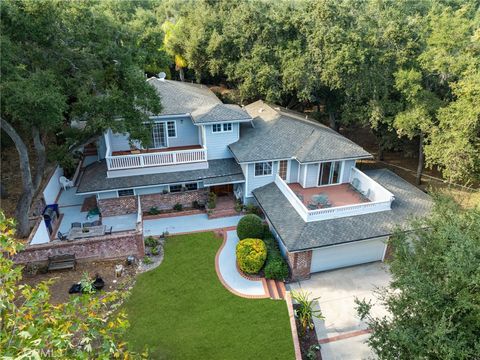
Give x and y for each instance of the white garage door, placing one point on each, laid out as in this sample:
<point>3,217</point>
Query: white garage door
<point>334,257</point>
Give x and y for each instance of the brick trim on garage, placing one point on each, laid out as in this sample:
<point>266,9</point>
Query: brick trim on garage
<point>300,263</point>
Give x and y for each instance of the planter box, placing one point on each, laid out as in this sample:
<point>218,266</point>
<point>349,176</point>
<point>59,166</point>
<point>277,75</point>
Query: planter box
<point>173,213</point>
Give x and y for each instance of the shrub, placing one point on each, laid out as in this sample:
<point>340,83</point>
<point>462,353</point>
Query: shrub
<point>250,226</point>
<point>251,255</point>
<point>276,269</point>
<point>147,260</point>
<point>150,241</point>
<point>195,204</point>
<point>178,207</point>
<point>252,209</point>
<point>154,210</point>
<point>154,251</point>
<point>238,206</point>
<point>212,200</point>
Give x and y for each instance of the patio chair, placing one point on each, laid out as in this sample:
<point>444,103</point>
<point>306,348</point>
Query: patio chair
<point>312,206</point>
<point>109,231</point>
<point>96,223</point>
<point>76,225</point>
<point>65,182</point>
<point>61,236</point>
<point>87,224</point>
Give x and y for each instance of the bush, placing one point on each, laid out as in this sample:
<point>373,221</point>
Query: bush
<point>154,211</point>
<point>238,206</point>
<point>178,207</point>
<point>252,209</point>
<point>147,260</point>
<point>150,241</point>
<point>250,226</point>
<point>212,200</point>
<point>195,204</point>
<point>251,255</point>
<point>276,269</point>
<point>154,251</point>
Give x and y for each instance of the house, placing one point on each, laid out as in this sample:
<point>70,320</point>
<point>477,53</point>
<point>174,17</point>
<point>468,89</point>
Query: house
<point>324,211</point>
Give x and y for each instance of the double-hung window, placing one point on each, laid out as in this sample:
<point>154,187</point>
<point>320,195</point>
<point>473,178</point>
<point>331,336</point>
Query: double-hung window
<point>227,127</point>
<point>263,168</point>
<point>126,192</point>
<point>191,186</point>
<point>171,129</point>
<point>175,188</point>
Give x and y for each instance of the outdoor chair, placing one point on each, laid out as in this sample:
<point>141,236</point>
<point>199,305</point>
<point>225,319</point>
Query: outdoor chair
<point>65,182</point>
<point>76,225</point>
<point>109,231</point>
<point>312,206</point>
<point>96,223</point>
<point>87,224</point>
<point>61,236</point>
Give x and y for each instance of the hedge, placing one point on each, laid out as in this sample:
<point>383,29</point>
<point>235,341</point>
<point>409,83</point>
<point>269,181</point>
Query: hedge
<point>275,267</point>
<point>251,255</point>
<point>250,226</point>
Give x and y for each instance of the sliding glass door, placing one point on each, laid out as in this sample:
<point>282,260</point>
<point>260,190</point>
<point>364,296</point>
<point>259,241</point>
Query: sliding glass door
<point>329,173</point>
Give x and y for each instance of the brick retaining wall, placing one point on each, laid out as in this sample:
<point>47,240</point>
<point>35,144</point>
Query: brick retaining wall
<point>118,206</point>
<point>117,245</point>
<point>167,201</point>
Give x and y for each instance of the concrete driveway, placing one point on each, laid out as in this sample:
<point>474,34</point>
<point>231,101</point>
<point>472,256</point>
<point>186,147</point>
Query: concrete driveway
<point>342,335</point>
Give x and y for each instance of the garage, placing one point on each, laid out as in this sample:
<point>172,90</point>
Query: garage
<point>338,256</point>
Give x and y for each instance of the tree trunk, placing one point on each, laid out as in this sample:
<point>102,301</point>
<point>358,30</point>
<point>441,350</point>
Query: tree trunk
<point>420,160</point>
<point>23,205</point>
<point>380,152</point>
<point>41,158</point>
<point>181,73</point>
<point>333,121</point>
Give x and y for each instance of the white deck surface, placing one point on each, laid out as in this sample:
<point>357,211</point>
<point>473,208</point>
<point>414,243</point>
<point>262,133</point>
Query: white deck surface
<point>184,224</point>
<point>228,269</point>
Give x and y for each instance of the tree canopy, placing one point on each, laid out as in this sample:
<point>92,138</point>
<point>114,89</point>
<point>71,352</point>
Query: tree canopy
<point>433,299</point>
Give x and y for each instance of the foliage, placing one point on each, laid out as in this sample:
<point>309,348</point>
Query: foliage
<point>147,260</point>
<point>250,226</point>
<point>153,211</point>
<point>275,266</point>
<point>154,251</point>
<point>251,255</point>
<point>253,209</point>
<point>187,272</point>
<point>32,327</point>
<point>178,207</point>
<point>150,241</point>
<point>312,352</point>
<point>305,312</point>
<point>433,300</point>
<point>212,200</point>
<point>86,284</point>
<point>238,206</point>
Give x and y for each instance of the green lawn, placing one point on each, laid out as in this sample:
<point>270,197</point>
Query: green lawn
<point>181,310</point>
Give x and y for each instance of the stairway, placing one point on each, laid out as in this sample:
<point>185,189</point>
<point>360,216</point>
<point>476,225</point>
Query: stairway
<point>90,150</point>
<point>276,289</point>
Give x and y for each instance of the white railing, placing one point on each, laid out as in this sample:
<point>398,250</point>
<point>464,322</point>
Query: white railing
<point>369,187</point>
<point>337,211</point>
<point>160,158</point>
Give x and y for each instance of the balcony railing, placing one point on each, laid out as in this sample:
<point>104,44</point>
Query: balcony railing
<point>160,158</point>
<point>381,200</point>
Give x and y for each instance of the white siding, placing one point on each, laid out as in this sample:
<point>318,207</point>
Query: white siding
<point>360,252</point>
<point>347,167</point>
<point>53,186</point>
<point>301,179</point>
<point>217,143</point>
<point>107,195</point>
<point>187,133</point>
<point>294,166</point>
<point>41,235</point>
<point>312,175</point>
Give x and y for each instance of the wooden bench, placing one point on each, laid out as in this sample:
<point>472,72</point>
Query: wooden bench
<point>61,262</point>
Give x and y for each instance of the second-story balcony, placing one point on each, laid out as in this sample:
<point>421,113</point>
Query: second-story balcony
<point>361,195</point>
<point>120,160</point>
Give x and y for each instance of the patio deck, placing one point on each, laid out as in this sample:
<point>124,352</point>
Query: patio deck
<point>150,151</point>
<point>338,195</point>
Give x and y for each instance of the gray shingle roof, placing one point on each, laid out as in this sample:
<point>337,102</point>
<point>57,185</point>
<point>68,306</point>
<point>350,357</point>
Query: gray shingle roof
<point>222,112</point>
<point>280,135</point>
<point>198,100</point>
<point>298,235</point>
<point>95,176</point>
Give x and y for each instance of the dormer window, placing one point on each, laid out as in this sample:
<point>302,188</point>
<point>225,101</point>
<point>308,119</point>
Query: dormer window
<point>218,128</point>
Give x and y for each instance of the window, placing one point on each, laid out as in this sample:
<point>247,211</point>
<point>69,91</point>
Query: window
<point>263,168</point>
<point>171,129</point>
<point>329,173</point>
<point>175,188</point>
<point>226,127</point>
<point>191,186</point>
<point>282,169</point>
<point>126,192</point>
<point>158,135</point>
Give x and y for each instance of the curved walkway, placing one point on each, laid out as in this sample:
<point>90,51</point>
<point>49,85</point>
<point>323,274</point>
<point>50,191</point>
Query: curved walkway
<point>225,264</point>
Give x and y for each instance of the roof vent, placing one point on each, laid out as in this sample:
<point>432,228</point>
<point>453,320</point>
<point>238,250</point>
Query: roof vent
<point>162,76</point>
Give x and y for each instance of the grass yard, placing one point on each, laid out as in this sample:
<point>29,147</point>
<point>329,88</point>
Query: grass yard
<point>180,310</point>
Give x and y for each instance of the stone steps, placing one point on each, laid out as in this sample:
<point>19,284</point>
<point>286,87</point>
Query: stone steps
<point>276,289</point>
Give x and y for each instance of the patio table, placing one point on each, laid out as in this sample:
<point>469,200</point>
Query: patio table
<point>77,233</point>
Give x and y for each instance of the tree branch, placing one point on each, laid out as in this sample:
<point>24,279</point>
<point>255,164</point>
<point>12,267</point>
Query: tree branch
<point>41,158</point>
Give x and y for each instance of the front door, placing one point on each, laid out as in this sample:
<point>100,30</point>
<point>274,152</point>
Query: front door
<point>159,135</point>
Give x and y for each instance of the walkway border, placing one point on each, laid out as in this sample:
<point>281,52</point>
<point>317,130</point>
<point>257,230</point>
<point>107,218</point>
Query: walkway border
<point>219,274</point>
<point>293,326</point>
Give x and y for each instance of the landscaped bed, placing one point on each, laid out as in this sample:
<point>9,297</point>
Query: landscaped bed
<point>181,310</point>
